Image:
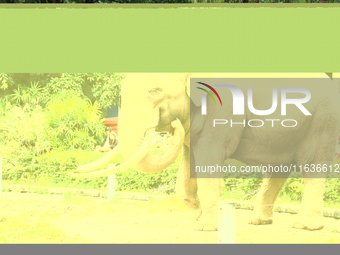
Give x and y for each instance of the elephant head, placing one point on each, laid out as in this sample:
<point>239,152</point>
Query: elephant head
<point>149,103</point>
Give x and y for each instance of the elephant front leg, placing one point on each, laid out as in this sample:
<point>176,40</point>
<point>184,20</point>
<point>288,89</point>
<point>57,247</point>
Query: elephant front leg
<point>209,192</point>
<point>186,187</point>
<point>200,194</point>
<point>310,216</point>
<point>264,205</point>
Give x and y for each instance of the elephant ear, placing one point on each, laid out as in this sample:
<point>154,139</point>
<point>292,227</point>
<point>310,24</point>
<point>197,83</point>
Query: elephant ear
<point>195,98</point>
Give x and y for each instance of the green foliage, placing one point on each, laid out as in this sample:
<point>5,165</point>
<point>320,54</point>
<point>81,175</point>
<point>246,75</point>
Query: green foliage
<point>293,189</point>
<point>26,133</point>
<point>39,88</point>
<point>106,88</point>
<point>70,82</point>
<point>162,182</point>
<point>332,190</point>
<point>75,122</point>
<point>22,136</point>
<point>101,87</point>
<point>42,113</point>
<point>5,80</point>
<point>54,167</point>
<point>245,188</point>
<point>5,106</point>
<point>33,95</point>
<point>12,81</point>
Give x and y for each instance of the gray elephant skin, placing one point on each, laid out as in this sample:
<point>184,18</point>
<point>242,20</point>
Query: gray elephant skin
<point>152,102</point>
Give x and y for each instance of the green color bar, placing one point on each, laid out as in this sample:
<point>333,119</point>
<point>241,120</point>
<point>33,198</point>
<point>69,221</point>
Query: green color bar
<point>169,40</point>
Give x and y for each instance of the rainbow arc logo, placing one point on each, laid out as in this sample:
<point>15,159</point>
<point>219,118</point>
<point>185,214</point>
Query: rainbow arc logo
<point>210,92</point>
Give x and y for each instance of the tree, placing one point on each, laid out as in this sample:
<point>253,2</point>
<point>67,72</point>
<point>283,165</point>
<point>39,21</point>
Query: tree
<point>38,88</point>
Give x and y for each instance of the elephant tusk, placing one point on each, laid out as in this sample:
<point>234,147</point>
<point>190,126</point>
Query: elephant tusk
<point>144,149</point>
<point>99,162</point>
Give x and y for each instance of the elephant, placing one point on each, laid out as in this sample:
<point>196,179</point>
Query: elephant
<point>154,102</point>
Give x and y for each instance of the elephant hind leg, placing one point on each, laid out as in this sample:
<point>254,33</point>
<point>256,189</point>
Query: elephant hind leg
<point>264,205</point>
<point>310,216</point>
<point>321,150</point>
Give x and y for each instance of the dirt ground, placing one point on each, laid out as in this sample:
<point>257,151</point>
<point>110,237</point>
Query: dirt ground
<point>161,221</point>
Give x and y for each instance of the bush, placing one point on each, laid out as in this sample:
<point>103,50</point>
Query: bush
<point>23,135</point>
<point>74,122</point>
<point>332,190</point>
<point>28,132</point>
<point>162,182</point>
<point>54,167</point>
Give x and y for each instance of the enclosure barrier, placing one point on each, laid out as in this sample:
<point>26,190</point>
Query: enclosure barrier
<point>226,222</point>
<point>111,185</point>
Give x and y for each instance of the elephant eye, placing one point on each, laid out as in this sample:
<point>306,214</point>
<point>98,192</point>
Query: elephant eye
<point>154,91</point>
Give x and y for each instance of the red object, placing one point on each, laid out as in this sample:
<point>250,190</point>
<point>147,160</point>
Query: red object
<point>112,123</point>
